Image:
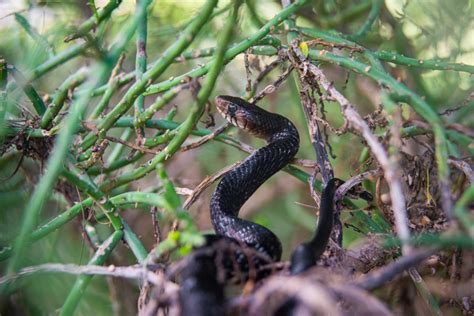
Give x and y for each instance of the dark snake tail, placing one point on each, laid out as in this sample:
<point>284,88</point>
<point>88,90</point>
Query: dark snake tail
<point>306,254</point>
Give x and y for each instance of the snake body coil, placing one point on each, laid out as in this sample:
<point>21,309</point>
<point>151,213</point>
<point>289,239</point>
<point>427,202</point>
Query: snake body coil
<point>239,184</point>
<point>201,291</point>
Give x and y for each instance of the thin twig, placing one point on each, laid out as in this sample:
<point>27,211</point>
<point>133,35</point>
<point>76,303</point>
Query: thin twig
<point>377,278</point>
<point>267,70</point>
<point>206,183</point>
<point>206,138</point>
<point>353,181</point>
<point>132,145</point>
<point>309,107</point>
<point>357,123</point>
<point>464,167</point>
<point>272,87</point>
<point>137,272</point>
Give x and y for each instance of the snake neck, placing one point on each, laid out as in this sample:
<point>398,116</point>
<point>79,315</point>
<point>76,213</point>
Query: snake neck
<point>239,184</point>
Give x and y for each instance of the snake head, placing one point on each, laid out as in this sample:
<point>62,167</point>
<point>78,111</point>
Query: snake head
<point>247,116</point>
<point>235,110</point>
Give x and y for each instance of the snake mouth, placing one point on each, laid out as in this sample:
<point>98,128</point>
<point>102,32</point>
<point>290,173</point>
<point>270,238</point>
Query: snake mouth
<point>233,110</point>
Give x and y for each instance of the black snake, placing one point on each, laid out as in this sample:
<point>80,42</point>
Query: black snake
<point>201,290</point>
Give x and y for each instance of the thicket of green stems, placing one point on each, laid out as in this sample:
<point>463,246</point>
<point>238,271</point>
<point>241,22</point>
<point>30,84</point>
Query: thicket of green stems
<point>125,72</point>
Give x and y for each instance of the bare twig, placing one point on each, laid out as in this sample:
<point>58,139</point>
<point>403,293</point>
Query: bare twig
<point>206,183</point>
<point>357,123</point>
<point>248,86</point>
<point>131,272</point>
<point>272,87</point>
<point>377,278</point>
<point>353,181</point>
<point>266,71</point>
<point>309,108</point>
<point>462,129</point>
<point>314,195</point>
<point>156,226</point>
<point>206,138</point>
<point>464,167</point>
<point>459,106</point>
<point>132,145</point>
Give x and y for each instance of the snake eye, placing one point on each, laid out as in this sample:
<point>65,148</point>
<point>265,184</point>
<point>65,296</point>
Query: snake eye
<point>232,108</point>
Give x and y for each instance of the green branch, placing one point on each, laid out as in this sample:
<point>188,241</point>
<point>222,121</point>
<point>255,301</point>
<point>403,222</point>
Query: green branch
<point>30,91</point>
<point>56,159</point>
<point>233,51</point>
<point>180,135</point>
<point>54,166</point>
<point>99,258</point>
<point>392,57</point>
<point>60,97</point>
<point>124,199</point>
<point>420,63</point>
<point>58,60</point>
<point>140,60</point>
<point>83,183</point>
<point>167,58</point>
<point>94,20</point>
<point>373,14</point>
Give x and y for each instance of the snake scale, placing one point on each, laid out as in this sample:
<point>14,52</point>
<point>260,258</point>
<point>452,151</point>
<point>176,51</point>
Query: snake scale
<point>201,291</point>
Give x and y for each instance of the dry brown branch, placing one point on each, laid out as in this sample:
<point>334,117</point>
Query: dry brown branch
<point>206,138</point>
<point>353,181</point>
<point>379,277</point>
<point>133,145</point>
<point>131,272</point>
<point>338,131</point>
<point>309,107</point>
<point>464,167</point>
<point>308,295</point>
<point>357,302</point>
<point>156,227</point>
<point>314,195</point>
<point>267,70</point>
<point>358,124</point>
<point>464,103</point>
<point>462,129</point>
<point>313,296</point>
<point>271,87</point>
<point>248,72</point>
<point>206,183</point>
